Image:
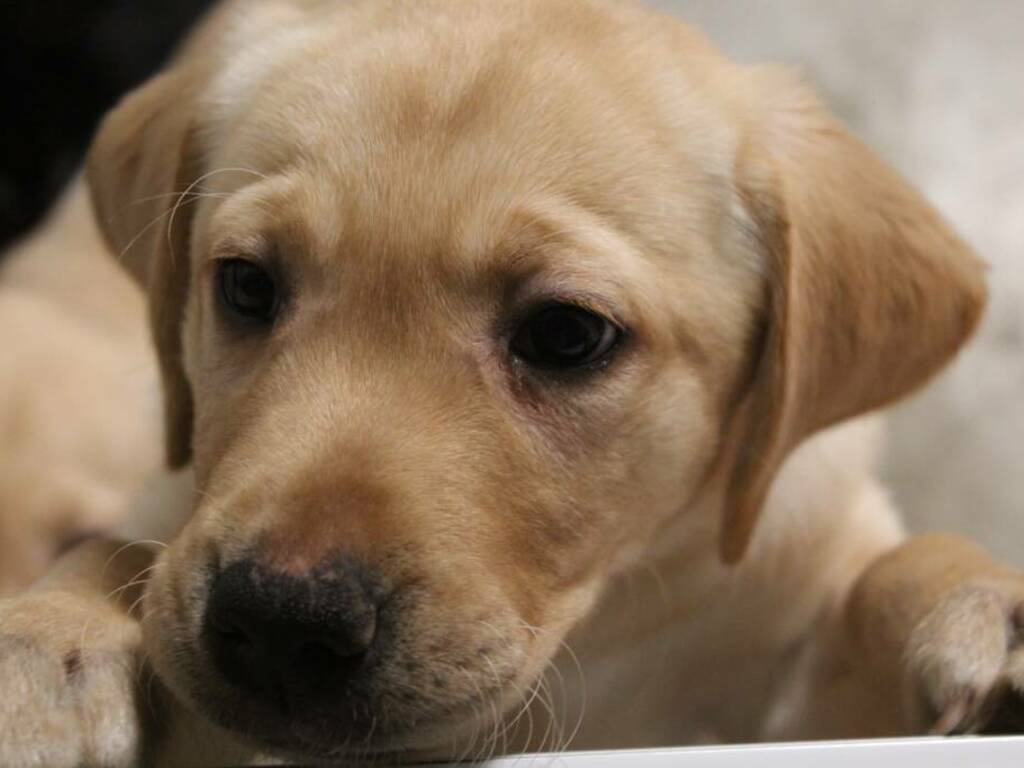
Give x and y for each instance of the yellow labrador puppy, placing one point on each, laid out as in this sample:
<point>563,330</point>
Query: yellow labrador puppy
<point>79,411</point>
<point>506,340</point>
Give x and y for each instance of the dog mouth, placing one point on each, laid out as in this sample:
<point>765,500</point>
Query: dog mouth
<point>386,716</point>
<point>324,669</point>
<point>355,731</point>
<point>323,741</point>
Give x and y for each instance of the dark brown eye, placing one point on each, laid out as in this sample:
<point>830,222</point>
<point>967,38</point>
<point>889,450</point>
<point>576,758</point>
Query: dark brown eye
<point>564,336</point>
<point>247,290</point>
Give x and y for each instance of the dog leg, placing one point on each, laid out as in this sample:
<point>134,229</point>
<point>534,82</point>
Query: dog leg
<point>70,666</point>
<point>939,623</point>
<point>75,688</point>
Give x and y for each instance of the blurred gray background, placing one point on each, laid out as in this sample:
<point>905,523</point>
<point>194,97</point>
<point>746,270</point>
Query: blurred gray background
<point>937,87</point>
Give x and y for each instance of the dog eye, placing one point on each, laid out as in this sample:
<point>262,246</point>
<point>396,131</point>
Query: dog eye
<point>247,290</point>
<point>564,336</point>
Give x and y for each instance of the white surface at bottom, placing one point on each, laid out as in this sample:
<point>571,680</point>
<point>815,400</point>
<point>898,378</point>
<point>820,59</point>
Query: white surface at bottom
<point>966,752</point>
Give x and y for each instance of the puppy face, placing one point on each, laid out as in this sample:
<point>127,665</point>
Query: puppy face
<point>454,318</point>
<point>477,384</point>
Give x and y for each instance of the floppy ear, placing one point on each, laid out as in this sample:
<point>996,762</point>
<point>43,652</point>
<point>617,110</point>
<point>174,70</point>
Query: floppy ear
<point>141,163</point>
<point>870,291</point>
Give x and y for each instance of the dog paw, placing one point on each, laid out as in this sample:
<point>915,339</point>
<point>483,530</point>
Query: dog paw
<point>72,688</point>
<point>966,659</point>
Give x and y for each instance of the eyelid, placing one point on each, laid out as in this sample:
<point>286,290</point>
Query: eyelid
<point>537,286</point>
<point>252,247</point>
<point>589,302</point>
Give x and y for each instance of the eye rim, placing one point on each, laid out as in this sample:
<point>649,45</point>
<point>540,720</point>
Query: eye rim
<point>614,336</point>
<point>252,317</point>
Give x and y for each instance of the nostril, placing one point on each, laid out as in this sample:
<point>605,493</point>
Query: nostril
<point>322,665</point>
<point>233,636</point>
<point>229,630</point>
<point>315,660</point>
<point>237,650</point>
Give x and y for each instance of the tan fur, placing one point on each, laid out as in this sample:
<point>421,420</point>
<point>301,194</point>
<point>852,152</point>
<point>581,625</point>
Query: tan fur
<point>862,266</point>
<point>417,173</point>
<point>78,409</point>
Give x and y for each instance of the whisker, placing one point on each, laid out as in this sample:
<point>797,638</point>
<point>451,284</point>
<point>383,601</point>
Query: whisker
<point>126,547</point>
<point>135,580</point>
<point>495,700</point>
<point>188,190</point>
<point>156,220</point>
<point>565,740</point>
<point>478,719</point>
<point>188,193</point>
<point>581,716</point>
<point>151,198</point>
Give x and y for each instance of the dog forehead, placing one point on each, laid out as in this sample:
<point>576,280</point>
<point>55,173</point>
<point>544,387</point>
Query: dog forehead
<point>421,111</point>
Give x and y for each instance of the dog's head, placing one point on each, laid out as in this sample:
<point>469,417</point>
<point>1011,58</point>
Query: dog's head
<point>457,305</point>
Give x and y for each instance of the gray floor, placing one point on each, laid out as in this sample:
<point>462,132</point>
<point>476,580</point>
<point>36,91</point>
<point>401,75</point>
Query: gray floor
<point>937,86</point>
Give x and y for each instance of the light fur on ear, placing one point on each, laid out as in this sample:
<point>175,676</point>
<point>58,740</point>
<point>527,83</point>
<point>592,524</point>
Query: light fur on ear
<point>870,290</point>
<point>141,163</point>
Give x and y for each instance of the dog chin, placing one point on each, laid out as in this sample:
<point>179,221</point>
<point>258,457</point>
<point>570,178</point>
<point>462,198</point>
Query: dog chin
<point>310,741</point>
<point>360,741</point>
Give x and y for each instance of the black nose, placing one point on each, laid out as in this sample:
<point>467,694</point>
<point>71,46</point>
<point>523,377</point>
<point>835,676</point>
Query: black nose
<point>293,640</point>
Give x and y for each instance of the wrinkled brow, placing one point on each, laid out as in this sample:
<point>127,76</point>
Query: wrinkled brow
<point>561,251</point>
